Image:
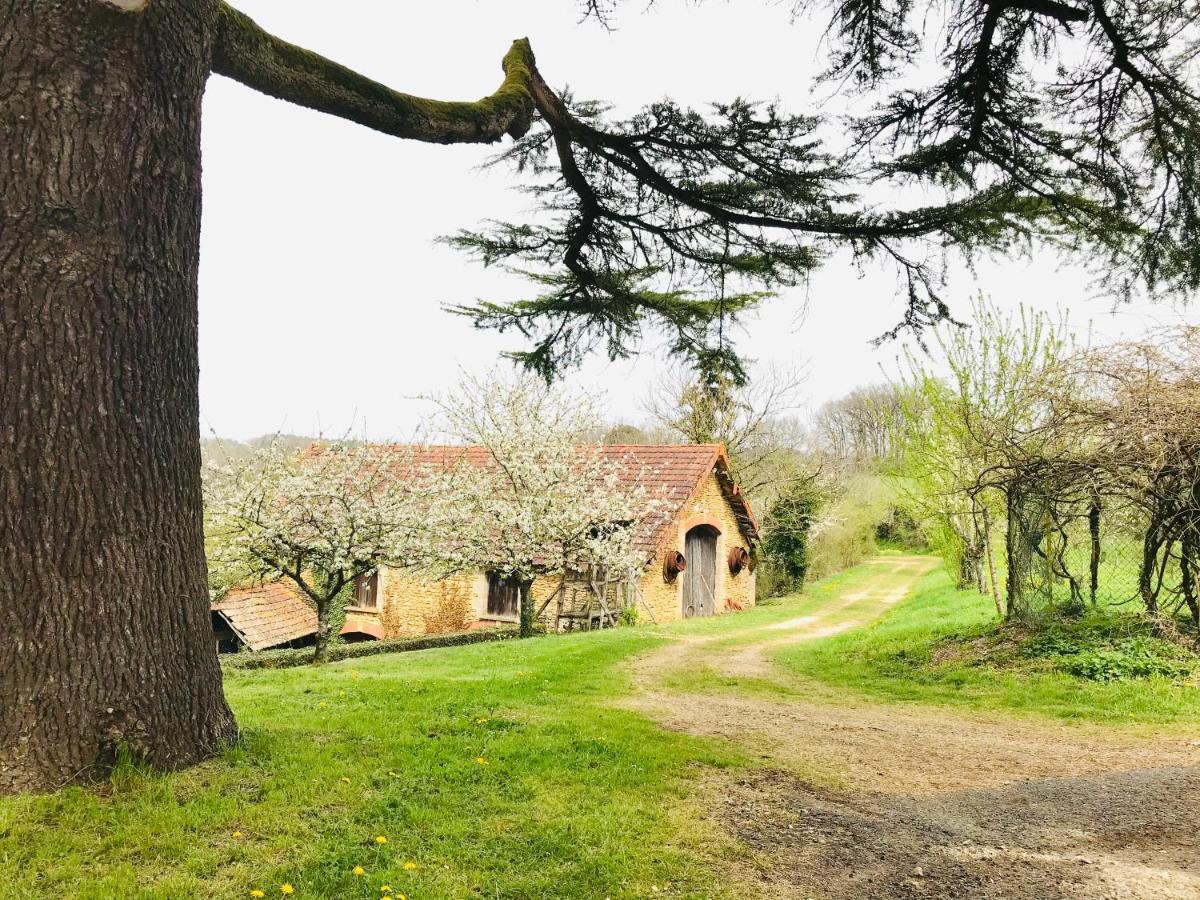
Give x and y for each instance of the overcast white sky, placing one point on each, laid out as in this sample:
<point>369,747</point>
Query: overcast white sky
<point>321,284</point>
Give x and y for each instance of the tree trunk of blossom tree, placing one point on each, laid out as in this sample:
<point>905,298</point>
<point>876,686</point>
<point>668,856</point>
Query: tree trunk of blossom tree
<point>107,643</point>
<point>525,592</point>
<point>321,643</point>
<point>328,589</point>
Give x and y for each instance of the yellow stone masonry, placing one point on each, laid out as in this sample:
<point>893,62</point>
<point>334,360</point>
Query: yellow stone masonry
<point>410,605</point>
<point>665,598</point>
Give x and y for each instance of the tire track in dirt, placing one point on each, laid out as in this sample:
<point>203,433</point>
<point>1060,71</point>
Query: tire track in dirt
<point>865,799</point>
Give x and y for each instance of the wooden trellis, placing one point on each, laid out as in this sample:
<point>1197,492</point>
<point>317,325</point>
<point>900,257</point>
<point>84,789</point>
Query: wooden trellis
<point>593,599</point>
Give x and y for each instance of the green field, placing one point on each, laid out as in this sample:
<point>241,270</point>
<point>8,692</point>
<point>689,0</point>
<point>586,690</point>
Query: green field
<point>504,769</point>
<point>940,646</point>
<point>492,770</point>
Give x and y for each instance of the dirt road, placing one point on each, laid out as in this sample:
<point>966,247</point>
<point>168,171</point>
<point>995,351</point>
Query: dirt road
<point>863,799</point>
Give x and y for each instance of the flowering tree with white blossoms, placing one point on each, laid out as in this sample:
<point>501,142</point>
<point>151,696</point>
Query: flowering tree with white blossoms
<point>534,500</point>
<point>542,501</point>
<point>319,518</point>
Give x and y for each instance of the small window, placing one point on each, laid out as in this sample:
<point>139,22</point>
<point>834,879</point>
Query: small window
<point>504,597</point>
<point>366,590</point>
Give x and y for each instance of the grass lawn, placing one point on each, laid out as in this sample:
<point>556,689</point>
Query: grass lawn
<point>925,649</point>
<point>739,629</point>
<point>494,770</point>
<point>502,769</point>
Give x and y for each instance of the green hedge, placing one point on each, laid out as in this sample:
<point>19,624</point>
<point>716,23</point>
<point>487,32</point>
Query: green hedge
<point>284,659</point>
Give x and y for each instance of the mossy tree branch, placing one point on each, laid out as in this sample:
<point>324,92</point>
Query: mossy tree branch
<point>258,59</point>
<point>685,219</point>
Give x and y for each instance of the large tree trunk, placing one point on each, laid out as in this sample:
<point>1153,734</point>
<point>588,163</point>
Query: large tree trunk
<point>106,642</point>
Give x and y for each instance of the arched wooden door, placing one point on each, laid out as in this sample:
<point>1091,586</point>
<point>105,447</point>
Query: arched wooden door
<point>700,576</point>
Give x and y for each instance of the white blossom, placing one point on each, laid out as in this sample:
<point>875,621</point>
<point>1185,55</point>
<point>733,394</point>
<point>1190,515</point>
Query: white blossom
<point>541,501</point>
<point>521,493</point>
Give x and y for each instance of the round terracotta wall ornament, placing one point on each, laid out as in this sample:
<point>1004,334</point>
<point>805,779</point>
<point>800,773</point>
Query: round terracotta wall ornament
<point>739,558</point>
<point>673,564</point>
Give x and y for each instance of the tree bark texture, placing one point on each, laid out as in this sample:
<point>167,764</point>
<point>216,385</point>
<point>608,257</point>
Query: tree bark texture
<point>525,593</point>
<point>330,587</point>
<point>1016,552</point>
<point>321,644</point>
<point>106,641</point>
<point>1094,549</point>
<point>990,555</point>
<point>1151,545</point>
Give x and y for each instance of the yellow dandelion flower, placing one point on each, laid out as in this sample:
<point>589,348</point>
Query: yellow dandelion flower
<point>237,834</point>
<point>381,840</point>
<point>287,889</point>
<point>358,870</point>
<point>345,779</point>
<point>410,866</point>
<point>385,888</point>
<point>481,760</point>
<point>258,893</point>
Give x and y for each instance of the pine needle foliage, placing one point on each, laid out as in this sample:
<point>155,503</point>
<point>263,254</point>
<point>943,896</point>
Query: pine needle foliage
<point>1065,123</point>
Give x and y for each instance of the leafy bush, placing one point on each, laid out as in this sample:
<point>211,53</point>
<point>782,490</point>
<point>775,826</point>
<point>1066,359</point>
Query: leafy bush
<point>1099,646</point>
<point>284,659</point>
<point>788,521</point>
<point>900,531</point>
<point>1137,658</point>
<point>1106,647</point>
<point>845,532</point>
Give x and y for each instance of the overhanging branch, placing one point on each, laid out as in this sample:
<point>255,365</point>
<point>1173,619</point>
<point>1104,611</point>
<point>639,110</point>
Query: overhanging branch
<point>1064,13</point>
<point>246,53</point>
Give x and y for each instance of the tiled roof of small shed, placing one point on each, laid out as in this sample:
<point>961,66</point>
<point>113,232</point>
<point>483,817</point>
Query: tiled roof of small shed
<point>267,615</point>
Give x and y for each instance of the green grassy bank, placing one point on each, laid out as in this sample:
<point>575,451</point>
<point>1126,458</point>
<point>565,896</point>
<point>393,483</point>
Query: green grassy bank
<point>494,770</point>
<point>941,646</point>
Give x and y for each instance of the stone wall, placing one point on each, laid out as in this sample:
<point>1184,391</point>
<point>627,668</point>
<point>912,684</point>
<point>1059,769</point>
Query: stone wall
<point>665,598</point>
<point>410,604</point>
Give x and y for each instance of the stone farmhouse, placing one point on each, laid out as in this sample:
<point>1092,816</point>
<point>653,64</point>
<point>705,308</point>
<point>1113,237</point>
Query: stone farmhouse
<point>698,549</point>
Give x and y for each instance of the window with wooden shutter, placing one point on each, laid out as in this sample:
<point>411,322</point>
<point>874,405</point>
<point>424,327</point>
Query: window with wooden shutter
<point>366,590</point>
<point>504,596</point>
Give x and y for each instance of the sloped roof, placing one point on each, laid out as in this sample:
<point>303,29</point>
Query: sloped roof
<point>267,615</point>
<point>671,473</point>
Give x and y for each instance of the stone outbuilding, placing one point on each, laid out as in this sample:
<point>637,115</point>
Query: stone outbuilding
<point>698,548</point>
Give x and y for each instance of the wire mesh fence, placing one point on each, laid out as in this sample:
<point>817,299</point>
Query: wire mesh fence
<point>1065,552</point>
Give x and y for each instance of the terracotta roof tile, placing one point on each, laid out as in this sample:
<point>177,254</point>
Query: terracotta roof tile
<point>267,615</point>
<point>671,473</point>
<point>271,614</point>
